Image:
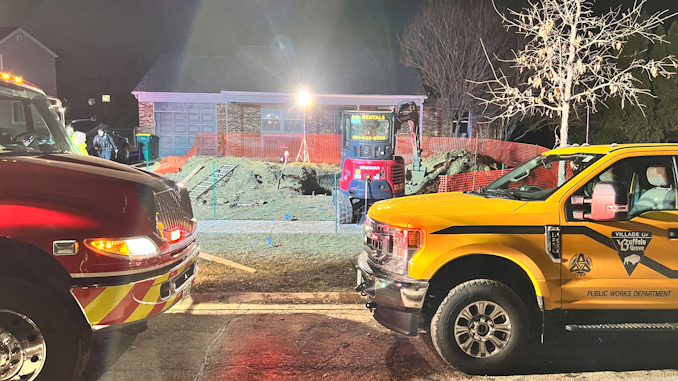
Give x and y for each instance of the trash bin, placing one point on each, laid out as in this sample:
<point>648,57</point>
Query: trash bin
<point>148,146</point>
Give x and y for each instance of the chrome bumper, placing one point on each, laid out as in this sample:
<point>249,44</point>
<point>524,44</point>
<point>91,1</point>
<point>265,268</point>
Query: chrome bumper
<point>396,303</point>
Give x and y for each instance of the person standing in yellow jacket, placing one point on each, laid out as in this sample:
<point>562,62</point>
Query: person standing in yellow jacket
<point>79,142</point>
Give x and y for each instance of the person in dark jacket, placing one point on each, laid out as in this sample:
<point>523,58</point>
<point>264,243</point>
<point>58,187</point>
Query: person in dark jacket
<point>103,144</point>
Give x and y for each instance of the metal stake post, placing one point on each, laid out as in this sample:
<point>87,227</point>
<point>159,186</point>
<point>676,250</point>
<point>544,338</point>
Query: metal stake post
<point>334,202</point>
<point>303,150</point>
<point>214,187</point>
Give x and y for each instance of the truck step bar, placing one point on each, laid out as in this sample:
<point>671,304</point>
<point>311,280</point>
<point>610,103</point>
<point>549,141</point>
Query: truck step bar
<point>657,327</point>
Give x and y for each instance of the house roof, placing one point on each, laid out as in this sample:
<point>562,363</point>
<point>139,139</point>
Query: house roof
<point>187,74</point>
<point>8,31</point>
<point>261,70</point>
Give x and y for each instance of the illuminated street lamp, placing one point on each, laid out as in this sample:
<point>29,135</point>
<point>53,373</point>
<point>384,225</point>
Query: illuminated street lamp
<point>303,99</point>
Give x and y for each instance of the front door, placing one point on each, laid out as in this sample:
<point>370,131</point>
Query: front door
<point>627,264</point>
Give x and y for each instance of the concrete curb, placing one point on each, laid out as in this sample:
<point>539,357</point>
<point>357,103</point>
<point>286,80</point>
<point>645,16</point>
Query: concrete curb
<point>278,297</point>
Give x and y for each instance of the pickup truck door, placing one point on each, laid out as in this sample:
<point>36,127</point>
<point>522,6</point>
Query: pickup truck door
<point>631,263</point>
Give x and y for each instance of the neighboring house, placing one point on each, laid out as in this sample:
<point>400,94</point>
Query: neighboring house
<point>254,92</point>
<point>23,55</point>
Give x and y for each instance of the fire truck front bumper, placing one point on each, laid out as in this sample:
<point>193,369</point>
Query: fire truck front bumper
<point>129,302</point>
<point>395,303</point>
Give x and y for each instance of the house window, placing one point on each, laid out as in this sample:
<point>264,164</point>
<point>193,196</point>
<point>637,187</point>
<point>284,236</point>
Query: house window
<point>18,116</point>
<point>278,120</point>
<point>293,120</point>
<point>271,120</point>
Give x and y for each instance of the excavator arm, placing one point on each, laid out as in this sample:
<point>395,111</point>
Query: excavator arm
<point>409,113</point>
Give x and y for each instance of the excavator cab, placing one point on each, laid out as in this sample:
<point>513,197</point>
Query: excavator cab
<point>370,171</point>
<point>368,136</point>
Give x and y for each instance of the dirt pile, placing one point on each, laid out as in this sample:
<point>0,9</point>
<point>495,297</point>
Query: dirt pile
<point>258,185</point>
<point>449,163</point>
<point>259,189</point>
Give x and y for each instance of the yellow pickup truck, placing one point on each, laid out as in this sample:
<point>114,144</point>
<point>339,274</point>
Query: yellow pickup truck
<point>574,229</point>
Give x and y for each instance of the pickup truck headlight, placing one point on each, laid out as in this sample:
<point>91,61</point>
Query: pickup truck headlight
<point>135,248</point>
<point>391,247</point>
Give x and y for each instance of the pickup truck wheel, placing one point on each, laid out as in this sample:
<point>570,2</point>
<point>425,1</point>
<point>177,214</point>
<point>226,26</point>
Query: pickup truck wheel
<point>480,327</point>
<point>123,154</point>
<point>344,208</point>
<point>39,337</point>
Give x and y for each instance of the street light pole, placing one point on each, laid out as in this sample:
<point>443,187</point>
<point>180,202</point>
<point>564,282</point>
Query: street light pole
<point>303,99</point>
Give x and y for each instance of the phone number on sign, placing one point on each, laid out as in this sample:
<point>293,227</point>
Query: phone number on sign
<point>356,137</point>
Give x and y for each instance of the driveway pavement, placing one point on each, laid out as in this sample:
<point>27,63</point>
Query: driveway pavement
<point>249,341</point>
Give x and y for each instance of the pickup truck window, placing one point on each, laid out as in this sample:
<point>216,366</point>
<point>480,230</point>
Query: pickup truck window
<point>649,183</point>
<point>538,178</point>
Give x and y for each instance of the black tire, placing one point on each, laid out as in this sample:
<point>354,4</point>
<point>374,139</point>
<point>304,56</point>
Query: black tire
<point>58,337</point>
<point>344,208</point>
<point>487,341</point>
<point>123,154</point>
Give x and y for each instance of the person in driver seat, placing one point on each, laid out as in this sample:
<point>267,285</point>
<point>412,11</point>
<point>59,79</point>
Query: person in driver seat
<point>662,195</point>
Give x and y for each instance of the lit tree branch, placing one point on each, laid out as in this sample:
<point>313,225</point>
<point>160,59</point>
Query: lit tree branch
<point>572,56</point>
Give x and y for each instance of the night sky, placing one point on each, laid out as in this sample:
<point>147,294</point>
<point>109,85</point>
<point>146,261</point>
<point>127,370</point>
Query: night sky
<point>107,46</point>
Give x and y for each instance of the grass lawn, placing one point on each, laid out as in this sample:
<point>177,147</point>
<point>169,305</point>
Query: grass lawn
<point>290,263</point>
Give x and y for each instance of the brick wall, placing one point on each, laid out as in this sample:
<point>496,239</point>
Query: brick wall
<point>321,120</point>
<point>244,117</point>
<point>146,122</point>
<point>221,123</point>
<point>433,121</point>
<point>221,118</point>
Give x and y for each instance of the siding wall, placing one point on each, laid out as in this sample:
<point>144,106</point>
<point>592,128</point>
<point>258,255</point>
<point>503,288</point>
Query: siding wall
<point>22,56</point>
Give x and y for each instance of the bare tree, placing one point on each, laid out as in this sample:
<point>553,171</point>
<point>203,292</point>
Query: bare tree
<point>442,41</point>
<point>572,55</point>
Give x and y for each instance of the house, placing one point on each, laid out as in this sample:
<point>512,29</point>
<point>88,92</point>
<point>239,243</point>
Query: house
<point>254,92</point>
<point>24,55</point>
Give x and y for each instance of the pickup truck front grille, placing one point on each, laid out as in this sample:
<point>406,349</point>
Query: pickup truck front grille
<point>378,244</point>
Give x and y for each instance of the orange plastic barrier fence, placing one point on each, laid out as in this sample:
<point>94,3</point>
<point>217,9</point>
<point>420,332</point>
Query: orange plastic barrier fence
<point>468,180</point>
<point>326,148</point>
<point>541,177</point>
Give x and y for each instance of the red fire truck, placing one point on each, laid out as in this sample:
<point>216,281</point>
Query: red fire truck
<point>85,242</point>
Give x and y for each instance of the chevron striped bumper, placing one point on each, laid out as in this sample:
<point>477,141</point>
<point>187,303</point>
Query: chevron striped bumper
<point>128,303</point>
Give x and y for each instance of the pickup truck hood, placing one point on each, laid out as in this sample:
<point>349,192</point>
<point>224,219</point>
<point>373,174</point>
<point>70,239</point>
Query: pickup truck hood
<point>441,207</point>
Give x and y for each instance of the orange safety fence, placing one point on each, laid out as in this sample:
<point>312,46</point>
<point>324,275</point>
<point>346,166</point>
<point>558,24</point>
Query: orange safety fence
<point>468,180</point>
<point>326,148</point>
<point>542,177</point>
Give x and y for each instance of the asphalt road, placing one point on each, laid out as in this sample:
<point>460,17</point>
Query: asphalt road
<point>221,341</point>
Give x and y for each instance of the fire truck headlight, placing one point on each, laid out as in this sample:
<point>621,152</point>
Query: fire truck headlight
<point>136,248</point>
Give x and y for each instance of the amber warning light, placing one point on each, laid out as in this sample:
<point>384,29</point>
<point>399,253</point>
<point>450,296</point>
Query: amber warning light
<point>7,77</point>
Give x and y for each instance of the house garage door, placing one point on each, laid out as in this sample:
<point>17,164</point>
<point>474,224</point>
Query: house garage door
<point>177,124</point>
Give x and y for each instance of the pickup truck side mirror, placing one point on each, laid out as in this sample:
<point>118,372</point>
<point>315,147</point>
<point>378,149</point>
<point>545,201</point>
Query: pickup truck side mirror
<point>609,202</point>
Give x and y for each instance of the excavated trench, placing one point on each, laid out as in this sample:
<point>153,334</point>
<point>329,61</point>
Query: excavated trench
<point>256,183</point>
